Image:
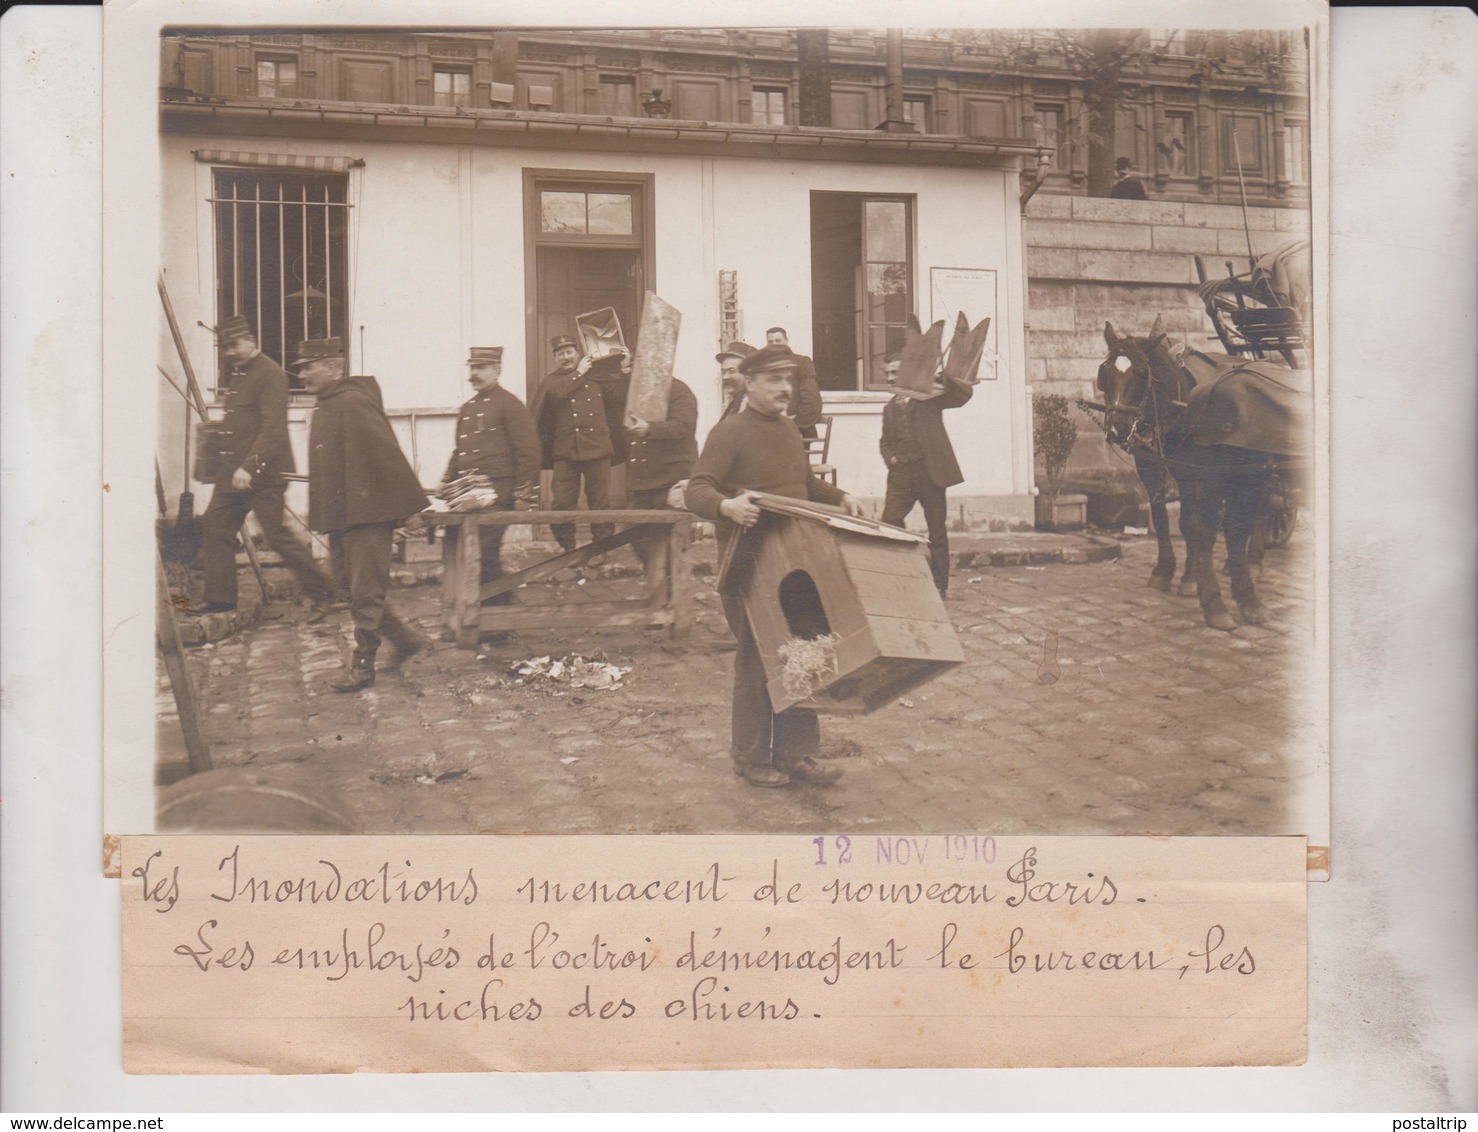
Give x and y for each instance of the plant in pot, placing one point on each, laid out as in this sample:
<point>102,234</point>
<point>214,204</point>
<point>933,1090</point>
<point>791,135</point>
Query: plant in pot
<point>1053,435</point>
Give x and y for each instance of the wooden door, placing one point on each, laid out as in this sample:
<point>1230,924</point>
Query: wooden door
<point>573,281</point>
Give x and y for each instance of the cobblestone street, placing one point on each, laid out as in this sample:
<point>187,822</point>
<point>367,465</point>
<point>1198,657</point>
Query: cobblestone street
<point>1155,723</point>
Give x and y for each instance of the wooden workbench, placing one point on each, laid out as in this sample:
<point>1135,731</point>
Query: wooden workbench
<point>665,602</point>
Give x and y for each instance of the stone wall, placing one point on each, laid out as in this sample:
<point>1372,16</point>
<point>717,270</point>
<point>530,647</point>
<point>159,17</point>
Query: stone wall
<point>1092,260</point>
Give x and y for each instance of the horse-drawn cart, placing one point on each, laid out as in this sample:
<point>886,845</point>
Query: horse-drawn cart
<point>1264,311</point>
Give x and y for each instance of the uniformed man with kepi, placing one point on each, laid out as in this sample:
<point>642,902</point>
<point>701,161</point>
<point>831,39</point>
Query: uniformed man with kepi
<point>254,454</point>
<point>495,438</point>
<point>578,415</point>
<point>360,488</point>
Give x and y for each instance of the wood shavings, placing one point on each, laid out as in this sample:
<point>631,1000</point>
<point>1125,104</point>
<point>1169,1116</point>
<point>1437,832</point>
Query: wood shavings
<point>805,662</point>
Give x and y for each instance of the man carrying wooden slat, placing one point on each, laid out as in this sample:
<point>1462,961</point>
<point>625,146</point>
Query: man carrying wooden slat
<point>921,461</point>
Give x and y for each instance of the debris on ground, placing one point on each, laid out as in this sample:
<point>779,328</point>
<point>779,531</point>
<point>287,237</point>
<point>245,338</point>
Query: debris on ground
<point>569,672</point>
<point>1136,530</point>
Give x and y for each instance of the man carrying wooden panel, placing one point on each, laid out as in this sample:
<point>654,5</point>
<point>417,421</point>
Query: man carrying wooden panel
<point>921,461</point>
<point>760,449</point>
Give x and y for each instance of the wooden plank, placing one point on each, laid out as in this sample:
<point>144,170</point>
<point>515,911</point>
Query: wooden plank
<point>577,615</point>
<point>167,634</point>
<point>451,580</point>
<point>518,518</point>
<point>680,575</point>
<point>656,350</point>
<point>542,571</point>
<point>921,640</point>
<point>893,595</point>
<point>469,578</point>
<point>905,560</point>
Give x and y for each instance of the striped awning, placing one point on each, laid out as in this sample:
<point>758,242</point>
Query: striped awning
<point>279,160</point>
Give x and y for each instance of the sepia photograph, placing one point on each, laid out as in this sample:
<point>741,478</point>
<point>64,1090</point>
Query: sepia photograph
<point>730,430</point>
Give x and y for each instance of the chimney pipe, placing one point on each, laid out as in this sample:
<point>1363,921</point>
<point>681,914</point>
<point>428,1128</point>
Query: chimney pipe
<point>896,123</point>
<point>813,55</point>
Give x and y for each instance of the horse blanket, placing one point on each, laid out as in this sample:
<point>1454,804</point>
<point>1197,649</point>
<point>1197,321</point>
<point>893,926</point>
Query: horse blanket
<point>1249,404</point>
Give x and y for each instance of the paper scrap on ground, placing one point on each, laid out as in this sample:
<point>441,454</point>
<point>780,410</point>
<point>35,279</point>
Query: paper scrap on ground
<point>430,954</point>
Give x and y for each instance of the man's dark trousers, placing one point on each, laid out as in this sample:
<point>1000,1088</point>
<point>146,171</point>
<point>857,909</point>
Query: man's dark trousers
<point>793,736</point>
<point>361,557</point>
<point>565,486</point>
<point>909,484</point>
<point>219,526</point>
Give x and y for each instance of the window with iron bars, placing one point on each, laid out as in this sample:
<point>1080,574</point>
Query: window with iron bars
<point>282,255</point>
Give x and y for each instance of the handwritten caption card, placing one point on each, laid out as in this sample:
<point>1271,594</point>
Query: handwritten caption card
<point>437,954</point>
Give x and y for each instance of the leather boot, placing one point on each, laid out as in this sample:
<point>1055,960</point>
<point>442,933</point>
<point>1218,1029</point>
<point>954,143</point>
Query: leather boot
<point>359,675</point>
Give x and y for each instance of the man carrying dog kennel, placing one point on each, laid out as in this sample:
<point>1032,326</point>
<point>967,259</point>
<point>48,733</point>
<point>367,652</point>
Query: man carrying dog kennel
<point>759,449</point>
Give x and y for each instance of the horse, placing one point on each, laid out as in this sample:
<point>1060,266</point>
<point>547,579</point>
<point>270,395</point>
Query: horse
<point>1223,428</point>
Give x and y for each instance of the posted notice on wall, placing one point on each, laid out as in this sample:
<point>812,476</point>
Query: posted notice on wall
<point>440,954</point>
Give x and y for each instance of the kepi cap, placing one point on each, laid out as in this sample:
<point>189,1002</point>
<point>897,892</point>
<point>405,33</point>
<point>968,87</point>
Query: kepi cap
<point>767,359</point>
<point>560,341</point>
<point>734,350</point>
<point>485,355</point>
<point>234,327</point>
<point>318,350</point>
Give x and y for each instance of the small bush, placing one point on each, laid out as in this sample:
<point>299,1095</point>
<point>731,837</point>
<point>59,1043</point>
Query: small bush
<point>1053,435</point>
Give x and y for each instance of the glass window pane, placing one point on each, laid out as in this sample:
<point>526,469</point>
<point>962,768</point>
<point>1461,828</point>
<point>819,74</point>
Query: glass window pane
<point>887,292</point>
<point>610,214</point>
<point>287,73</point>
<point>561,212</point>
<point>886,238</point>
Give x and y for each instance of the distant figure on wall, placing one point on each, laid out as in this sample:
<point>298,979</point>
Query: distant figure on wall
<point>1126,185</point>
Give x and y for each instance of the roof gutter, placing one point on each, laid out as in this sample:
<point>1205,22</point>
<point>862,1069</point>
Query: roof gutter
<point>517,127</point>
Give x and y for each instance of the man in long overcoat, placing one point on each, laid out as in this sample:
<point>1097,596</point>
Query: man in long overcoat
<point>921,462</point>
<point>253,455</point>
<point>360,488</point>
<point>495,438</point>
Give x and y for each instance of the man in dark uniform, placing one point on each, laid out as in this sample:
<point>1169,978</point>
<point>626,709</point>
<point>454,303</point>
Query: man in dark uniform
<point>495,438</point>
<point>921,462</point>
<point>805,402</point>
<point>659,455</point>
<point>759,449</point>
<point>578,416</point>
<point>254,455</point>
<point>359,489</point>
<point>731,381</point>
